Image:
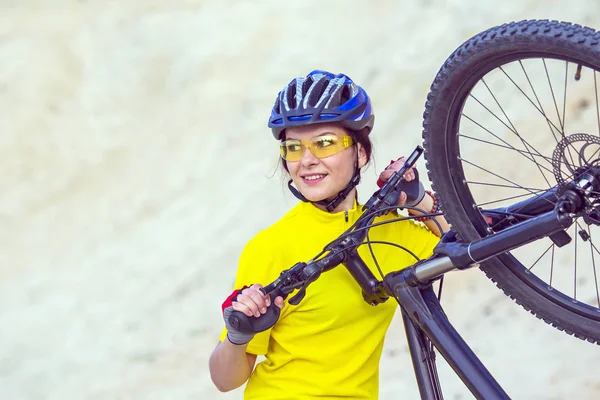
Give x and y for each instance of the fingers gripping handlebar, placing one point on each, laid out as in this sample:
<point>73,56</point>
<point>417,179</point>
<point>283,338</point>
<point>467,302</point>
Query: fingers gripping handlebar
<point>245,324</point>
<point>298,277</point>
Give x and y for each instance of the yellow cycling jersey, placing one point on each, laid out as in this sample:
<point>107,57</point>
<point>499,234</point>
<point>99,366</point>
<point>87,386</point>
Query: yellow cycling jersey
<point>328,346</point>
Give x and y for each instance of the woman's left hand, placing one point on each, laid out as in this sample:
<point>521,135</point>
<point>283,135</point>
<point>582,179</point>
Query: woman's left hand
<point>409,175</point>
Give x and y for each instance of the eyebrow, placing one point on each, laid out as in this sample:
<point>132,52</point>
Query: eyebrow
<point>320,134</point>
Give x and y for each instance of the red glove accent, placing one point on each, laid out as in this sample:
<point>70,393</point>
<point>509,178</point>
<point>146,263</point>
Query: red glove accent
<point>380,183</point>
<point>232,297</point>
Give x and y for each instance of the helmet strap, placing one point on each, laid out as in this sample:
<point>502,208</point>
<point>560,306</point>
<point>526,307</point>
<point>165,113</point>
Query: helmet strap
<point>330,205</point>
<point>297,193</point>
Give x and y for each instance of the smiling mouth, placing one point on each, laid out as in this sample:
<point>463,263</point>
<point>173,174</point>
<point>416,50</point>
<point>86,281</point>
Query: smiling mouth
<point>314,177</point>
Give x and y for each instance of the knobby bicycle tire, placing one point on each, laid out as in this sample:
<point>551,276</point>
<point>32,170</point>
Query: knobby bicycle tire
<point>462,70</point>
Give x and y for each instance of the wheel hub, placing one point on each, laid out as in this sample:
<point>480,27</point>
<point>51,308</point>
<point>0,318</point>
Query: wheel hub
<point>576,165</point>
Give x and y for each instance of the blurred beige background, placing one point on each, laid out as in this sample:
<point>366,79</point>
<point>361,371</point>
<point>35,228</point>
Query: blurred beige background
<point>135,162</point>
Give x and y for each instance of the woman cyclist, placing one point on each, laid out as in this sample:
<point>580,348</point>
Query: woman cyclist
<point>328,346</point>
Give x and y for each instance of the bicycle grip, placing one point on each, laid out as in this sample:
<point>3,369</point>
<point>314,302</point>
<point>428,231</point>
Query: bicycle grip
<point>245,324</point>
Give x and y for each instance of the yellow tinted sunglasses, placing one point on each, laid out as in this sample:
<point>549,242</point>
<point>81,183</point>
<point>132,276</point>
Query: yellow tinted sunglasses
<point>320,146</point>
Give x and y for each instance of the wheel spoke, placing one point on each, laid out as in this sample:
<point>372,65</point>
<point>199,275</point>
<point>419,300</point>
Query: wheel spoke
<point>552,264</point>
<point>505,186</point>
<point>575,270</point>
<point>540,257</point>
<point>509,198</point>
<point>514,129</point>
<point>508,147</point>
<point>592,247</point>
<point>541,108</point>
<point>498,176</point>
<point>564,120</point>
<point>597,104</point>
<point>531,190</point>
<point>507,127</point>
<point>562,131</point>
<point>560,121</point>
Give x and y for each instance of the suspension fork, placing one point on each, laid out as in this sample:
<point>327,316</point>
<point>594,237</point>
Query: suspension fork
<point>423,359</point>
<point>427,320</point>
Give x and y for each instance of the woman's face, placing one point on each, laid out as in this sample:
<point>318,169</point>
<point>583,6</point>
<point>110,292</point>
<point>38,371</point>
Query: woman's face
<point>323,178</point>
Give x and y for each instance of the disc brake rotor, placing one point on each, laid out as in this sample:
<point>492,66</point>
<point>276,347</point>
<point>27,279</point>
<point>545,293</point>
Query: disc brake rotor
<point>576,153</point>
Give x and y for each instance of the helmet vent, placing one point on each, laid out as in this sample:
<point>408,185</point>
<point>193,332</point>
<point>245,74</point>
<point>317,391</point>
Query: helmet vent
<point>306,85</point>
<point>277,106</point>
<point>291,95</point>
<point>346,94</point>
<point>317,91</point>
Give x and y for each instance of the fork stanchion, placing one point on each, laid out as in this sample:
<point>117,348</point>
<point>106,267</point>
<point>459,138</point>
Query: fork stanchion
<point>423,359</point>
<point>425,312</point>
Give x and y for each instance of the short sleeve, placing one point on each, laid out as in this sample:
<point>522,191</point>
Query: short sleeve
<point>417,238</point>
<point>253,267</point>
<point>423,247</point>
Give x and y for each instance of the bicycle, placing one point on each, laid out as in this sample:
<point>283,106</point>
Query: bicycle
<point>489,238</point>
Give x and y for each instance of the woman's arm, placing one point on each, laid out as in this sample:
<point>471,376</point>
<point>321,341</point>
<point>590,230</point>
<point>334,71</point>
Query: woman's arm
<point>427,204</point>
<point>230,366</point>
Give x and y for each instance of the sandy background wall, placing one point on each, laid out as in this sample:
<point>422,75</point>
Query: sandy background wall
<point>135,163</point>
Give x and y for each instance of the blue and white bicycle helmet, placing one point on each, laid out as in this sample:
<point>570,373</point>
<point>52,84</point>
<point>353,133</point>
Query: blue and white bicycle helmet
<point>321,97</point>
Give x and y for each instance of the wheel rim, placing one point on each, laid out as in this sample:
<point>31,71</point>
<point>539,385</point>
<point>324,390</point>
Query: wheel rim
<point>483,98</point>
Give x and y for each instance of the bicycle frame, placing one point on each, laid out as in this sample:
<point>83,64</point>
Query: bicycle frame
<point>425,320</point>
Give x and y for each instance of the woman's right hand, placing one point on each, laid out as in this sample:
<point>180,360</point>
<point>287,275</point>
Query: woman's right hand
<point>252,302</point>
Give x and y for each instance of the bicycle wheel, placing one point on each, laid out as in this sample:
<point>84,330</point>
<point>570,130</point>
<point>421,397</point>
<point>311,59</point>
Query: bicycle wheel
<point>512,114</point>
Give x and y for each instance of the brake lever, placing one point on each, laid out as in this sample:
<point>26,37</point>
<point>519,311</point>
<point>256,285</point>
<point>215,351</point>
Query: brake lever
<point>287,281</point>
<point>310,273</point>
<point>298,297</point>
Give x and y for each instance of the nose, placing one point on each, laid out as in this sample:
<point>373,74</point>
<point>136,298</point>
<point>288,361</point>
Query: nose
<point>308,158</point>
